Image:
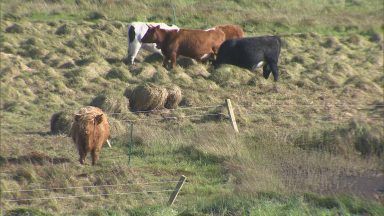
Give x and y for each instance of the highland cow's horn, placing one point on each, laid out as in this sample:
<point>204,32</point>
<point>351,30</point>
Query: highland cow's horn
<point>109,143</point>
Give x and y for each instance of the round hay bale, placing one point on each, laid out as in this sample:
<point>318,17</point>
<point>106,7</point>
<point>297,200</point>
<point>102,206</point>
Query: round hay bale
<point>148,97</point>
<point>111,103</point>
<point>61,122</point>
<point>174,97</point>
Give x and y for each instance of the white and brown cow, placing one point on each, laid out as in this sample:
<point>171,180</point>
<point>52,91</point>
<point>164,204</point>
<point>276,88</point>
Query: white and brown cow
<point>136,31</point>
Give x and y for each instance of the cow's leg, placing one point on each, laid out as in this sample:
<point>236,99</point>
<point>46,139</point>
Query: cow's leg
<point>165,62</point>
<point>275,70</point>
<point>82,154</point>
<point>133,49</point>
<point>266,71</point>
<point>173,59</point>
<point>95,155</point>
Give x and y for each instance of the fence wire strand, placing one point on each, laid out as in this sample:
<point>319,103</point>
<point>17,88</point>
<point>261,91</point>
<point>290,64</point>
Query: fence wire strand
<point>90,186</point>
<point>86,195</point>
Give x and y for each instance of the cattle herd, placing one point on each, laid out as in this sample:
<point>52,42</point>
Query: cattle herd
<point>223,44</point>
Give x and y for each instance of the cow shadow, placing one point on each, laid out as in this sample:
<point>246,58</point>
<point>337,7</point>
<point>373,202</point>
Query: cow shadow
<point>153,58</point>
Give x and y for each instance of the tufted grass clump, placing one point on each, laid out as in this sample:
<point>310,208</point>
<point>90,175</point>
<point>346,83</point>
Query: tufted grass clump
<point>119,73</point>
<point>15,28</point>
<point>355,137</point>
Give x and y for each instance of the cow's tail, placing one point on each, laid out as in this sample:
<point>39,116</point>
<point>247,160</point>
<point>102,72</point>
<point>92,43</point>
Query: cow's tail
<point>131,33</point>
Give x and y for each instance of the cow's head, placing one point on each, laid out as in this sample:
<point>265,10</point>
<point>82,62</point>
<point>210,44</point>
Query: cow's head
<point>88,122</point>
<point>151,36</point>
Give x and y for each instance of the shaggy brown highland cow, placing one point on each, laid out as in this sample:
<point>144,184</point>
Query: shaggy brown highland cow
<point>89,131</point>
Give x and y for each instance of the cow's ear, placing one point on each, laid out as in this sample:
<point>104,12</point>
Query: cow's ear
<point>157,27</point>
<point>99,118</point>
<point>77,117</point>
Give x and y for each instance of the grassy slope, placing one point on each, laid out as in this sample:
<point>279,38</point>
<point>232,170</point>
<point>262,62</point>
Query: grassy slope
<point>295,143</point>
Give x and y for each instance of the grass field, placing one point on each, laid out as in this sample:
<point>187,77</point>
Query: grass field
<point>314,146</point>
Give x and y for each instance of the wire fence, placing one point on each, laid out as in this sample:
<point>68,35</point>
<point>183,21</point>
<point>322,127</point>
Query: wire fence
<point>85,195</point>
<point>89,186</point>
<point>28,192</point>
<point>243,110</point>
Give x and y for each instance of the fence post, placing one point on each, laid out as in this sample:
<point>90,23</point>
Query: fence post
<point>231,115</point>
<point>177,190</point>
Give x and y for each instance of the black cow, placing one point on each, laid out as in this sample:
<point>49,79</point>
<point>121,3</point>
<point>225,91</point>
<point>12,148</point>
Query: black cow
<point>250,53</point>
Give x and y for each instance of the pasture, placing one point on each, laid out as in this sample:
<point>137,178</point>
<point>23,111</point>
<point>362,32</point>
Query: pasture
<point>310,144</point>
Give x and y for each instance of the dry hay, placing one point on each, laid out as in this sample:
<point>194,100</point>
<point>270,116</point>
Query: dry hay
<point>148,97</point>
<point>174,97</point>
<point>111,103</point>
<point>232,76</point>
<point>118,128</point>
<point>61,122</point>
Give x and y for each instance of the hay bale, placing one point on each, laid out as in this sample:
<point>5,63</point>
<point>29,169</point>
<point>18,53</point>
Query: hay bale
<point>111,103</point>
<point>148,97</point>
<point>174,97</point>
<point>61,122</point>
<point>15,28</point>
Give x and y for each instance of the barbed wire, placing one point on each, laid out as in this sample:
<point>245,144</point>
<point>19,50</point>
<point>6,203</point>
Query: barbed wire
<point>86,195</point>
<point>89,186</point>
<point>179,108</point>
<point>307,105</point>
<point>171,117</point>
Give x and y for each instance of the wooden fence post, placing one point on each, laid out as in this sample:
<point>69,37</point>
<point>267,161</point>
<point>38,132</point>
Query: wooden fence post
<point>177,190</point>
<point>231,115</point>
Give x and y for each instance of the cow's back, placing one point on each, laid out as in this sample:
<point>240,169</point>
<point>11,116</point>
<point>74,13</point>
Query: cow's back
<point>231,31</point>
<point>194,43</point>
<point>248,52</point>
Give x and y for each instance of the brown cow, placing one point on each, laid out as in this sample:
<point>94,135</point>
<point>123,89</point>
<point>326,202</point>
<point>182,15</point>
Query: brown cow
<point>231,31</point>
<point>196,44</point>
<point>89,131</point>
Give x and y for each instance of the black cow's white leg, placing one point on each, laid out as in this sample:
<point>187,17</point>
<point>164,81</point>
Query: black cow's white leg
<point>266,71</point>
